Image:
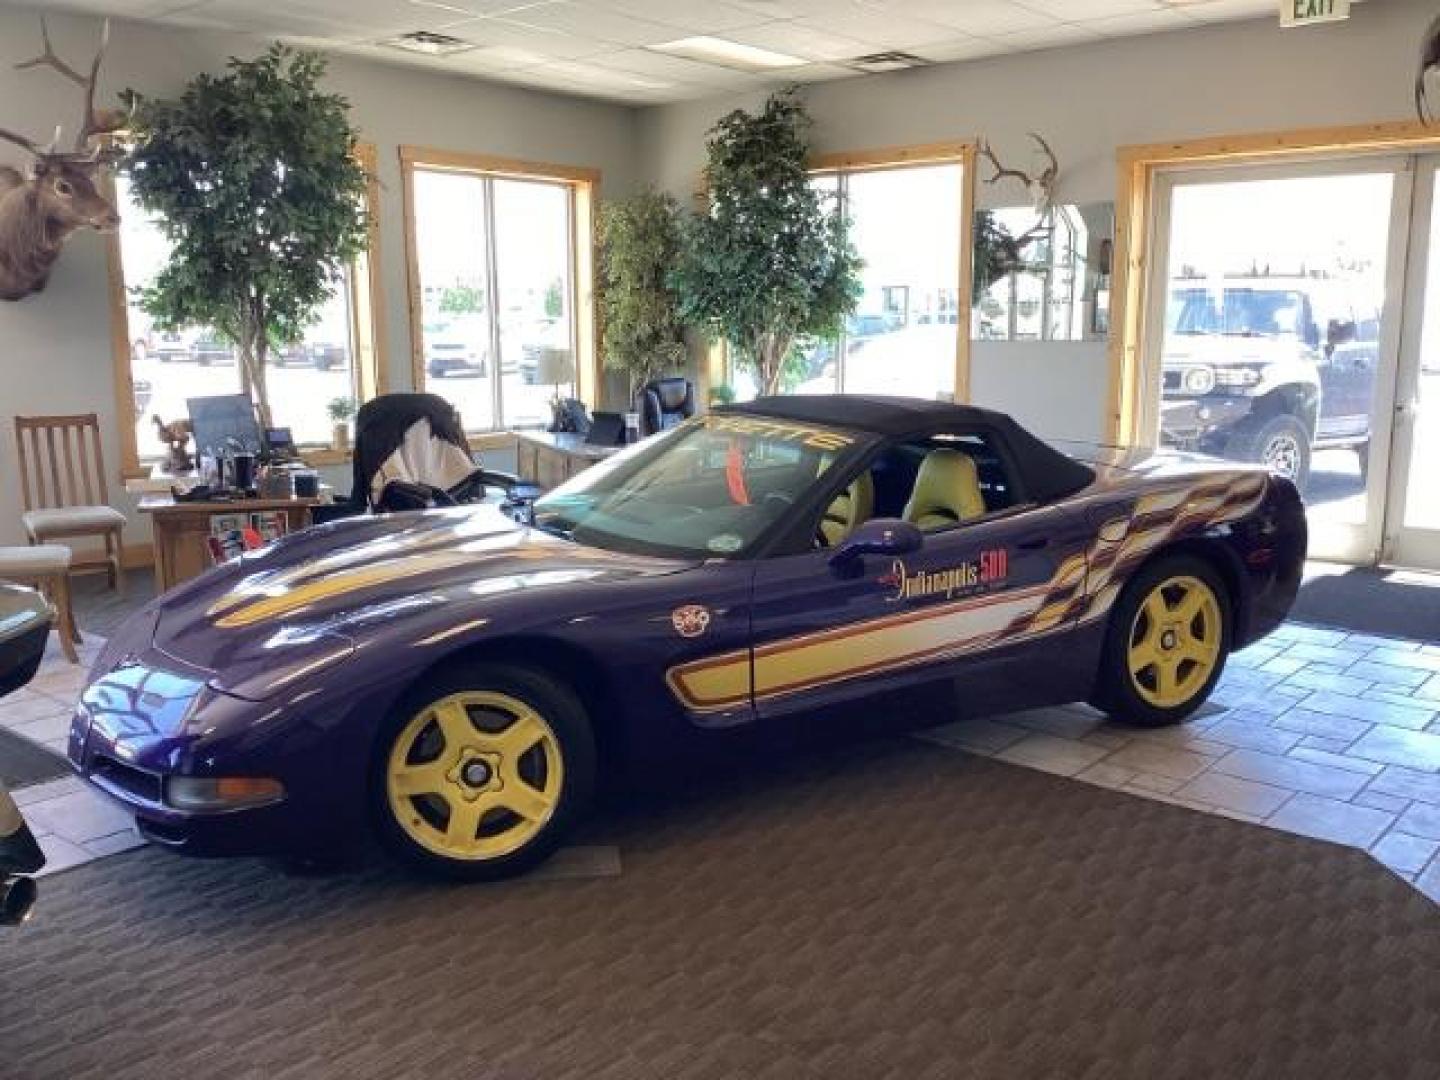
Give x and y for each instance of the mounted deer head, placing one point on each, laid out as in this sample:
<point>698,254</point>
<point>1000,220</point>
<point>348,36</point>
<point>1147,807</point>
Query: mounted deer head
<point>1041,187</point>
<point>58,193</point>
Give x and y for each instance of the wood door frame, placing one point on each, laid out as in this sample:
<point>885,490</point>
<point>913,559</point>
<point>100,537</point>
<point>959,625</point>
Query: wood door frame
<point>1135,220</point>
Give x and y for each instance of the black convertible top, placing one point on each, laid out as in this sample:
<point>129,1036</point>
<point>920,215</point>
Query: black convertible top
<point>1046,472</point>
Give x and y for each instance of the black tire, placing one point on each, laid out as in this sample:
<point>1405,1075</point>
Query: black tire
<point>1281,443</point>
<point>559,709</point>
<point>1117,690</point>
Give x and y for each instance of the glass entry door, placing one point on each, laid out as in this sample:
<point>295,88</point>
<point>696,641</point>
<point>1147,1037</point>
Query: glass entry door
<point>1412,534</point>
<point>1274,329</point>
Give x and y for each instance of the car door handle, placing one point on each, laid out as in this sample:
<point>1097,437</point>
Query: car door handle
<point>1033,543</point>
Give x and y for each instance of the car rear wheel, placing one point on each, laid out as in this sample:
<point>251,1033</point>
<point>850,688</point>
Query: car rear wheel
<point>481,773</point>
<point>1166,645</point>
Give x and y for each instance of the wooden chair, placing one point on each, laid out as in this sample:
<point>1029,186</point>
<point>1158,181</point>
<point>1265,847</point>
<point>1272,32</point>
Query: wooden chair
<point>70,502</point>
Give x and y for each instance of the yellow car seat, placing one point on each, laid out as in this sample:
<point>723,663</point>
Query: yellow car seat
<point>946,492</point>
<point>851,507</point>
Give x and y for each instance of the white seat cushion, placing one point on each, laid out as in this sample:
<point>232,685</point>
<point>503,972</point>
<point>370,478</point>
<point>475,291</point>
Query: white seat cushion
<point>69,520</point>
<point>34,561</point>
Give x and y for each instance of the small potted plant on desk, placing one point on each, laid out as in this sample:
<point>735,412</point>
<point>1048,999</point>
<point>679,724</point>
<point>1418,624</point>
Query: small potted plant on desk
<point>342,411</point>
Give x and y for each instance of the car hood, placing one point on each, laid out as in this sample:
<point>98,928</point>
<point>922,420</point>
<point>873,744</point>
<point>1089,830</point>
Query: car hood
<point>316,592</point>
<point>1216,349</point>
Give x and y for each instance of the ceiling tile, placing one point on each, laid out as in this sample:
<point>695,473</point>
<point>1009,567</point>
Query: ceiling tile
<point>1046,37</point>
<point>551,44</point>
<point>1085,10</point>
<point>879,31</point>
<point>978,18</point>
<point>692,16</point>
<point>1144,22</point>
<point>801,40</point>
<point>592,22</point>
<point>961,48</point>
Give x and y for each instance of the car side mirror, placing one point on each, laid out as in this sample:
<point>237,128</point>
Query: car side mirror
<point>879,536</point>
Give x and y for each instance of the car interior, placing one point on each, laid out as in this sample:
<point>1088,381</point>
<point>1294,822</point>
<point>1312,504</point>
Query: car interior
<point>935,483</point>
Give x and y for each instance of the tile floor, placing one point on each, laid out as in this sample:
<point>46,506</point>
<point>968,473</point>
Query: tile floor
<point>1313,731</point>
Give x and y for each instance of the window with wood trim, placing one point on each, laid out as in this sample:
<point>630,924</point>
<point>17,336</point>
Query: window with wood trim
<point>910,215</point>
<point>157,371</point>
<point>501,307</point>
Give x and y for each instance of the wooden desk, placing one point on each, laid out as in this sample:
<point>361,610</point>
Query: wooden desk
<point>182,529</point>
<point>549,458</point>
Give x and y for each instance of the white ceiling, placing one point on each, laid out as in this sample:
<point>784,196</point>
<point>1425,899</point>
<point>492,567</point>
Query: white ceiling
<point>605,48</point>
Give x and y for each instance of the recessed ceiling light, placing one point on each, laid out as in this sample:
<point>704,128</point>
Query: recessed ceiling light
<point>733,54</point>
<point>429,43</point>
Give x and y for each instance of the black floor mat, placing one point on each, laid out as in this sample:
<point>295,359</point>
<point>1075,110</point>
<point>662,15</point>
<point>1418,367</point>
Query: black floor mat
<point>23,762</point>
<point>1369,601</point>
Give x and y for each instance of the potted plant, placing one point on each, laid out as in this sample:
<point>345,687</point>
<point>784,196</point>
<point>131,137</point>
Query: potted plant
<point>342,411</point>
<point>768,263</point>
<point>255,183</point>
<point>642,332</point>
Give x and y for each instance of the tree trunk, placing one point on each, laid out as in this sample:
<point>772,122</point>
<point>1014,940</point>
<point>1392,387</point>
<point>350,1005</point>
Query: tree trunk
<point>254,343</point>
<point>772,355</point>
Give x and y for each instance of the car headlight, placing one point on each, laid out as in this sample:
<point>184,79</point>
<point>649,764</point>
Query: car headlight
<point>1199,380</point>
<point>1240,376</point>
<point>211,793</point>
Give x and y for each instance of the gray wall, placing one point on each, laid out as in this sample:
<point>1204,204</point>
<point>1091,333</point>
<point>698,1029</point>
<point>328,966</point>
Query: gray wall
<point>55,347</point>
<point>55,351</point>
<point>1087,101</point>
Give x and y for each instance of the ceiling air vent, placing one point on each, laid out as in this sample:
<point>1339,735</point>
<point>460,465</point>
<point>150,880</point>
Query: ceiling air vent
<point>429,43</point>
<point>887,61</point>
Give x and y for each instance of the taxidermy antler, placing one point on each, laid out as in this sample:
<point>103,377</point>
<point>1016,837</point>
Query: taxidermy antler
<point>1041,187</point>
<point>41,208</point>
<point>1429,61</point>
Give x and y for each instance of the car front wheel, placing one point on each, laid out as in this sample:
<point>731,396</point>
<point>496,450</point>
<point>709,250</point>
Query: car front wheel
<point>1166,644</point>
<point>1281,444</point>
<point>481,773</point>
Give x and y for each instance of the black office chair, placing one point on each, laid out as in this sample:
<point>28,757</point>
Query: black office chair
<point>665,403</point>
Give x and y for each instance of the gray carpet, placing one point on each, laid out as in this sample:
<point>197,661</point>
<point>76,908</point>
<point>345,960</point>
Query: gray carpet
<point>893,909</point>
<point>23,763</point>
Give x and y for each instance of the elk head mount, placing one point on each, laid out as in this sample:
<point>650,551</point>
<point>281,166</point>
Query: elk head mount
<point>59,193</point>
<point>1009,250</point>
<point>1041,186</point>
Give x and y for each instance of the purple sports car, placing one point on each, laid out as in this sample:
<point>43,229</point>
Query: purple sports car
<point>454,681</point>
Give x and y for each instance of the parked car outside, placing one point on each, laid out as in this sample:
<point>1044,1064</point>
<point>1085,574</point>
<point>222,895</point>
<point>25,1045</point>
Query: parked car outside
<point>211,348</point>
<point>456,348</point>
<point>320,355</point>
<point>172,346</point>
<point>1268,370</point>
<point>142,392</point>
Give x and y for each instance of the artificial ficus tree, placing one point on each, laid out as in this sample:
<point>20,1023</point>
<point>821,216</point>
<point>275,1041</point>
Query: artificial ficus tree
<point>768,263</point>
<point>642,332</point>
<point>254,178</point>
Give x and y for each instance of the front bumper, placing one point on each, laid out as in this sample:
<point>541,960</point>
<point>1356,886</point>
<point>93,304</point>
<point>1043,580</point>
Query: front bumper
<point>1201,423</point>
<point>145,722</point>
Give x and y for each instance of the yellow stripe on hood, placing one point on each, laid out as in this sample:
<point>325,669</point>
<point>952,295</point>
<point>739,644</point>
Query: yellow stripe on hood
<point>340,583</point>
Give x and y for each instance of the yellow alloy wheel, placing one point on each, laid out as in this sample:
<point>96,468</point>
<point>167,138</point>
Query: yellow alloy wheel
<point>1174,642</point>
<point>474,776</point>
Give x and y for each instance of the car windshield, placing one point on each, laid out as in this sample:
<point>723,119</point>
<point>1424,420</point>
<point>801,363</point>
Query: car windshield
<point>1242,312</point>
<point>708,488</point>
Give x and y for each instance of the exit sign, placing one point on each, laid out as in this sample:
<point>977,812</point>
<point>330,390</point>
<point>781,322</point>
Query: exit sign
<point>1305,12</point>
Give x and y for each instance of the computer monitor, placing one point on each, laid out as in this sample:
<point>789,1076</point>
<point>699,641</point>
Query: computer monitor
<point>224,424</point>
